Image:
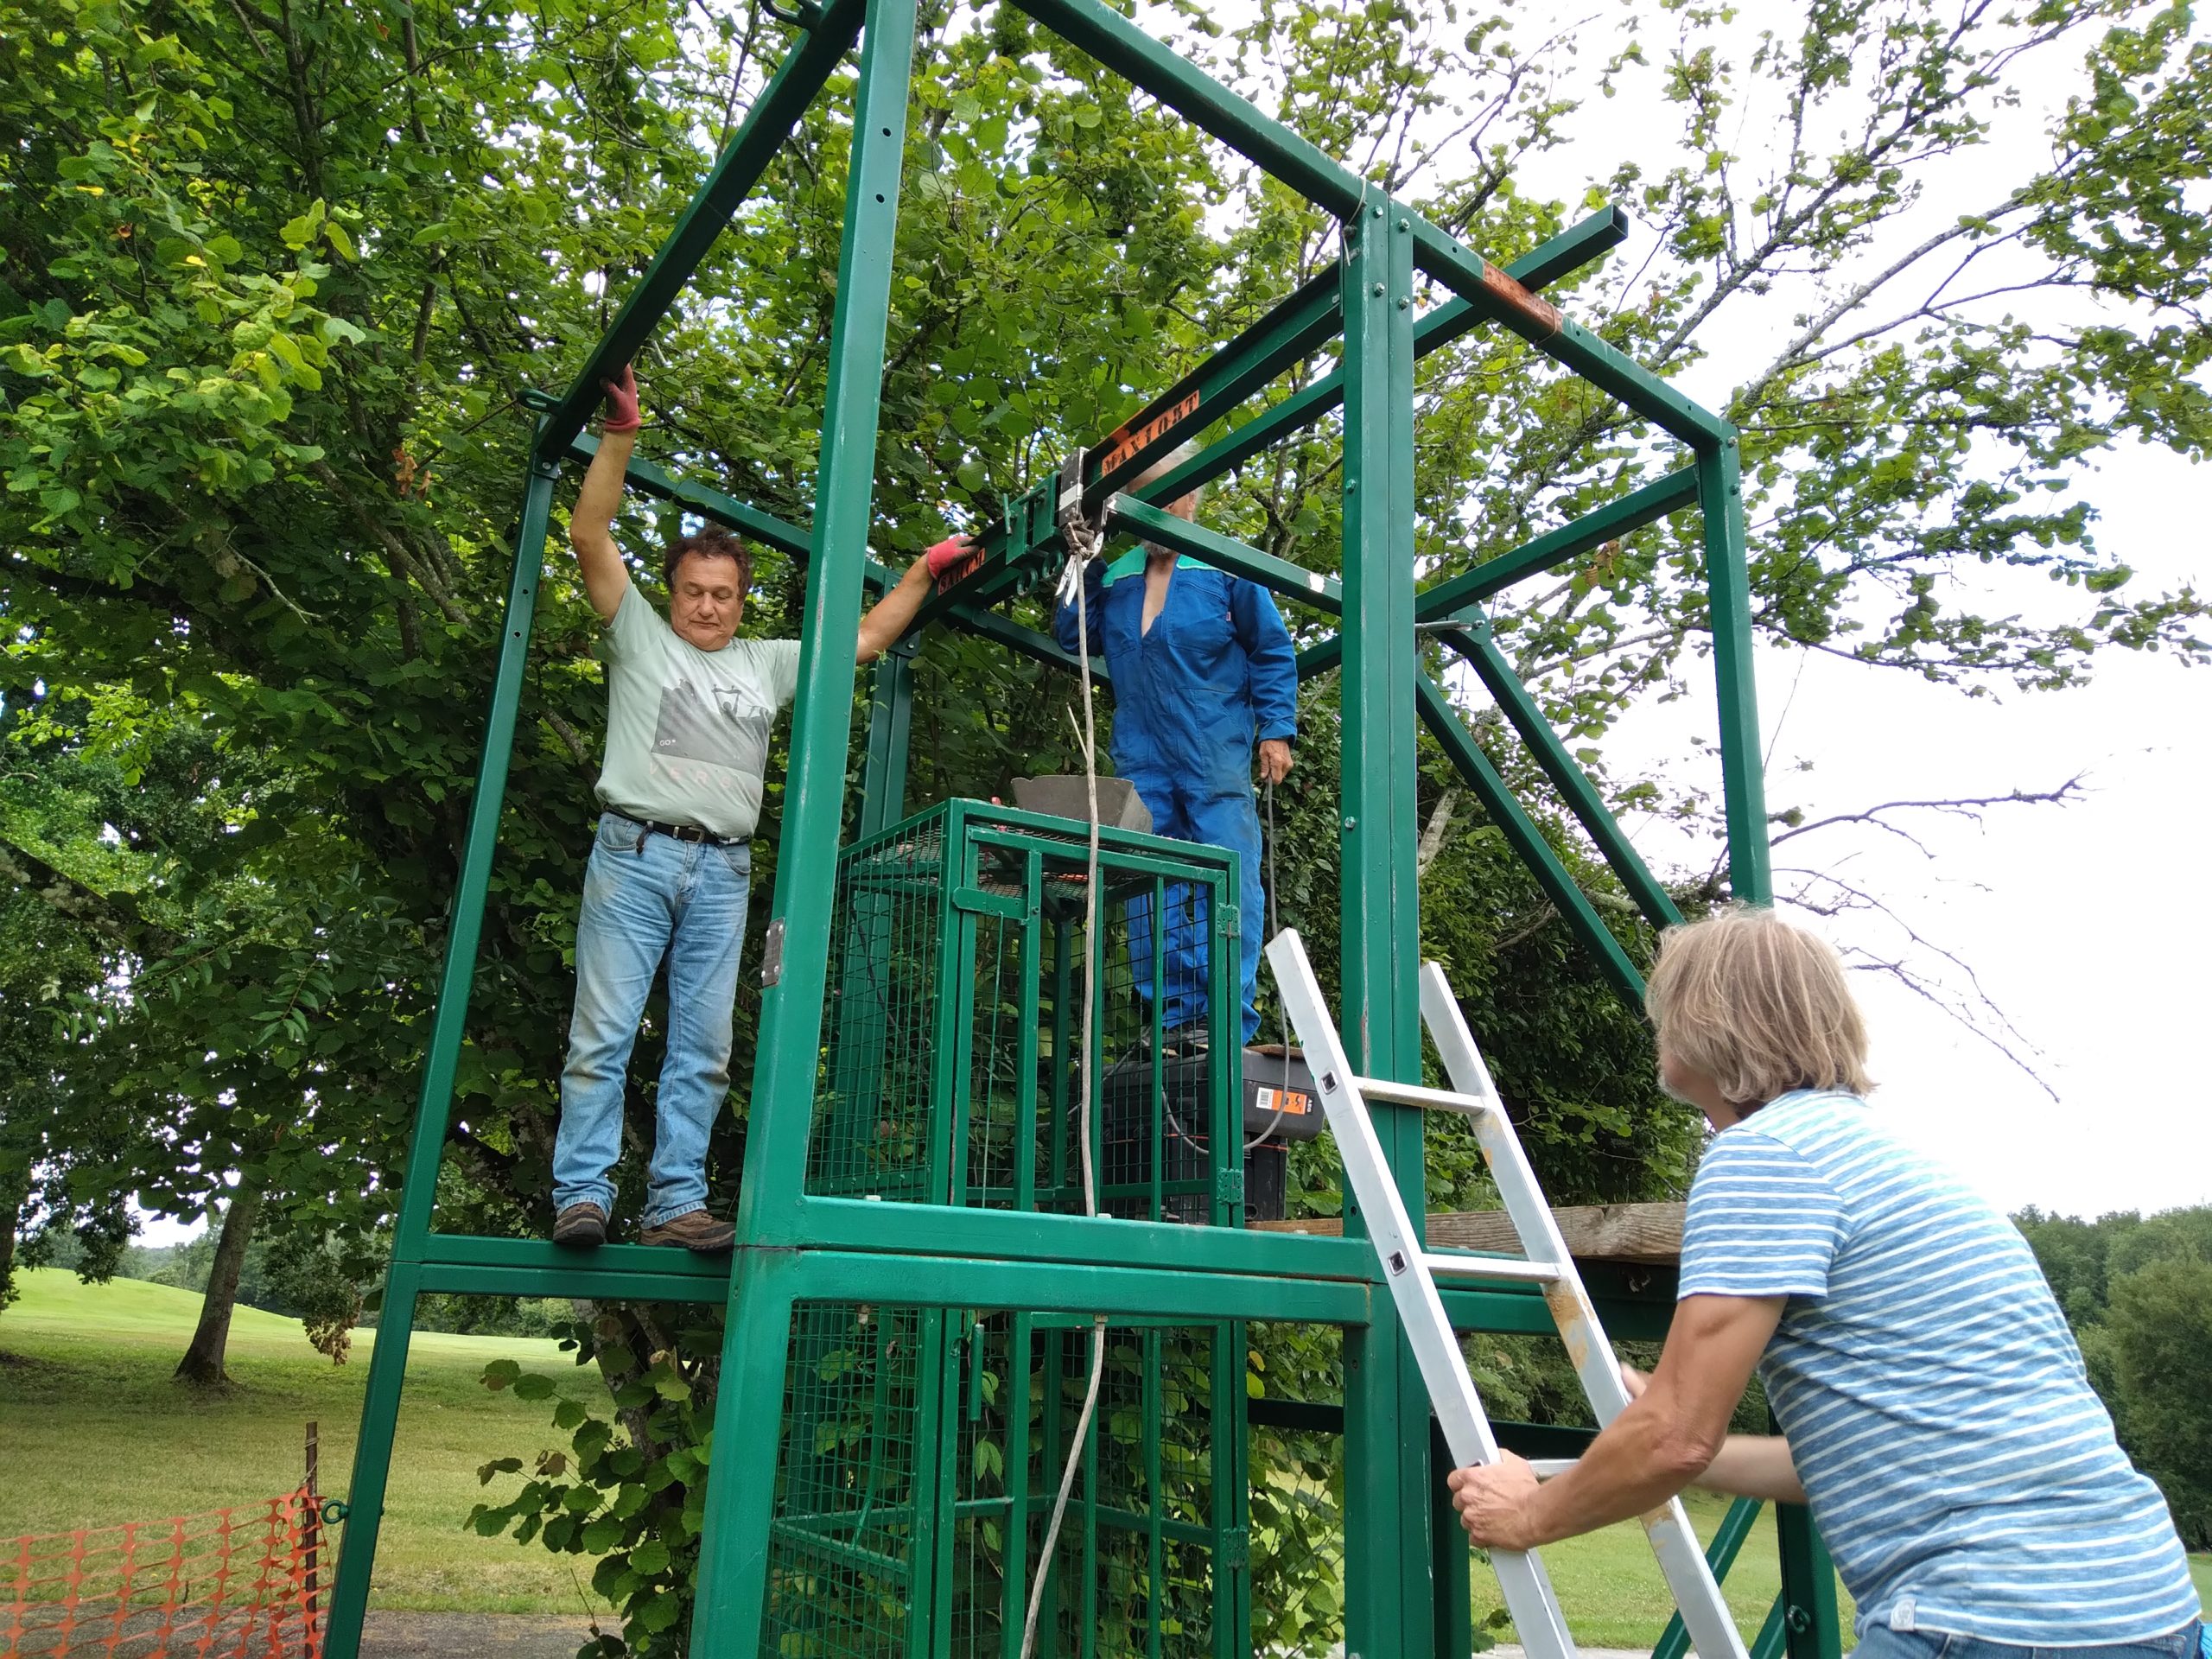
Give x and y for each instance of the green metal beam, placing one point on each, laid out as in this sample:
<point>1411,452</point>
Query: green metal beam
<point>1039,647</point>
<point>779,108</point>
<point>890,722</point>
<point>858,1225</point>
<point>727,511</point>
<point>1728,598</point>
<point>1554,547</point>
<point>1520,830</point>
<point>1571,248</point>
<point>1295,329</point>
<point>1495,296</point>
<point>434,1104</point>
<point>1502,299</point>
<point>1124,47</point>
<point>1054,1286</point>
<point>1592,530</point>
<point>1573,784</point>
<point>1224,553</point>
<point>1808,1613</point>
<point>788,1052</point>
<point>1389,1610</point>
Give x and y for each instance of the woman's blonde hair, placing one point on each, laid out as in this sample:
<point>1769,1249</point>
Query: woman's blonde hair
<point>1758,1006</point>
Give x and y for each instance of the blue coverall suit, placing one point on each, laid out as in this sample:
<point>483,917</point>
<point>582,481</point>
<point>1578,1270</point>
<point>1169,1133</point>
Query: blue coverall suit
<point>1216,674</point>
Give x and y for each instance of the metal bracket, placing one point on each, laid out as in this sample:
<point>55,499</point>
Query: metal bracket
<point>772,953</point>
<point>1232,922</point>
<point>1237,1549</point>
<point>1229,1186</point>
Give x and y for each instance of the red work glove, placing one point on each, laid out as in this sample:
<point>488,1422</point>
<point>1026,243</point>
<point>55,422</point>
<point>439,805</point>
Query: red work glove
<point>951,559</point>
<point>621,403</point>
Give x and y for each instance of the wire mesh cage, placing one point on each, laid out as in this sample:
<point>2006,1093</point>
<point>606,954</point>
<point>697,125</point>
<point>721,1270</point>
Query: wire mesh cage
<point>923,1454</point>
<point>967,961</point>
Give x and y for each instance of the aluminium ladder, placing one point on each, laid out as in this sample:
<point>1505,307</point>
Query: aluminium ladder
<point>1411,1272</point>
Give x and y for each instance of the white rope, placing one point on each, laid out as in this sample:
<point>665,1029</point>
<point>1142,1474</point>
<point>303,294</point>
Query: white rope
<point>1082,542</point>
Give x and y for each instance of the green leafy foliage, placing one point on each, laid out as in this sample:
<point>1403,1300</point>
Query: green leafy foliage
<point>2138,1291</point>
<point>271,276</point>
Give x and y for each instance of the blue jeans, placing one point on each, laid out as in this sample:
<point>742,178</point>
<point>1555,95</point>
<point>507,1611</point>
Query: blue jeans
<point>1229,820</point>
<point>1880,1641</point>
<point>649,898</point>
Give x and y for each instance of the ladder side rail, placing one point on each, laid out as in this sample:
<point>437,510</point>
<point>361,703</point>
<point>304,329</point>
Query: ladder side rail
<point>1529,1593</point>
<point>1682,1559</point>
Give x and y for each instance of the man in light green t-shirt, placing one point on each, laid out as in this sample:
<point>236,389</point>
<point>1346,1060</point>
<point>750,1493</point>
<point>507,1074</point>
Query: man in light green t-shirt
<point>690,706</point>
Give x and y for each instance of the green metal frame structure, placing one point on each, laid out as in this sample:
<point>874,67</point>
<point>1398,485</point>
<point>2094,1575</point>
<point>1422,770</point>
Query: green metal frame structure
<point>1405,1564</point>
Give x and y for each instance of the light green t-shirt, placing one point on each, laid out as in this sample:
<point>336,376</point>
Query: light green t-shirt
<point>686,729</point>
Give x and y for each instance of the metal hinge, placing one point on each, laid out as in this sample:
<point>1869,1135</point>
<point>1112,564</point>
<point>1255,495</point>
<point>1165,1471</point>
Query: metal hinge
<point>1229,1186</point>
<point>1237,1549</point>
<point>772,953</point>
<point>1229,922</point>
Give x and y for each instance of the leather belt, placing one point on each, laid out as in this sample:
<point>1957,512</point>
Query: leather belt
<point>680,831</point>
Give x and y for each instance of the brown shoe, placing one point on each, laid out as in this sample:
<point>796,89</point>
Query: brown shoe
<point>580,1226</point>
<point>695,1230</point>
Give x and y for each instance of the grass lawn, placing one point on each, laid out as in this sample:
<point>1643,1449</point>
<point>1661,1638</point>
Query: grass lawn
<point>93,1433</point>
<point>1610,1587</point>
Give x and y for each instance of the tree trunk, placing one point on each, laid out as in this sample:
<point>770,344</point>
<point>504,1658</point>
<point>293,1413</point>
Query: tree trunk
<point>11,1217</point>
<point>203,1362</point>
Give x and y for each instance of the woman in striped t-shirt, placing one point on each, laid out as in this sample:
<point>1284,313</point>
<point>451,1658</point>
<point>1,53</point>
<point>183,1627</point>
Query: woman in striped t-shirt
<point>1933,1406</point>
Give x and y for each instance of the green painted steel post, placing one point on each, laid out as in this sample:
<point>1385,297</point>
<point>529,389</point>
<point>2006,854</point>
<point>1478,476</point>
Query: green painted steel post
<point>891,715</point>
<point>1728,595</point>
<point>1808,1609</point>
<point>1389,1611</point>
<point>791,1010</point>
<point>434,1105</point>
<point>357,1553</point>
<point>732,1595</point>
<point>1453,1568</point>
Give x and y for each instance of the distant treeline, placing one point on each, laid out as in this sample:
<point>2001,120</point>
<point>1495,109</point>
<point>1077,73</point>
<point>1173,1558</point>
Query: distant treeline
<point>2138,1291</point>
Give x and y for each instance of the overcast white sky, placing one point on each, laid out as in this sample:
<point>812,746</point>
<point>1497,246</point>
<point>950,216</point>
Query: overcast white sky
<point>2086,924</point>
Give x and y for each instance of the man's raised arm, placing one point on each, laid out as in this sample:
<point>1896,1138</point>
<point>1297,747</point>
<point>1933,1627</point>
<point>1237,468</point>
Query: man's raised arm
<point>591,526</point>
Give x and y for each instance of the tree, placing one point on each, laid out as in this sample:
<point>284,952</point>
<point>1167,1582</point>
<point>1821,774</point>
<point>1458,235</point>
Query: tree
<point>272,276</point>
<point>2161,1329</point>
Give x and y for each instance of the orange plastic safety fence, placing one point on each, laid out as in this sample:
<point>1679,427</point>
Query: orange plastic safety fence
<point>230,1584</point>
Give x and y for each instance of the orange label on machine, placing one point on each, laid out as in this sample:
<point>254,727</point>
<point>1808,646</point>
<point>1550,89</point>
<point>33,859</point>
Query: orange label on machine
<point>1291,1102</point>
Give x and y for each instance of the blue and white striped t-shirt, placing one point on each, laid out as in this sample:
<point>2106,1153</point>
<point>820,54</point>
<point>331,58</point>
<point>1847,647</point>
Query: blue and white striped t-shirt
<point>1961,1469</point>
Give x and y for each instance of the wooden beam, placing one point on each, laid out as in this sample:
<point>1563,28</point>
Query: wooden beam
<point>1594,1232</point>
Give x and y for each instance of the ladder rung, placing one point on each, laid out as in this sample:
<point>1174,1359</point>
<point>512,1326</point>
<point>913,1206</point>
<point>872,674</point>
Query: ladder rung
<point>1550,1468</point>
<point>1413,1094</point>
<point>1490,1266</point>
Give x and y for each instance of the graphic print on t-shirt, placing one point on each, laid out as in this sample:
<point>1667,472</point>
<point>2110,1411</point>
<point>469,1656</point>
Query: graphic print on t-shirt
<point>730,733</point>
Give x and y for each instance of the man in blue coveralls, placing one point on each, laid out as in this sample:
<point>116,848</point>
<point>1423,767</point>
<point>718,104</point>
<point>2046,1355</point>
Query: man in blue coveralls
<point>1203,667</point>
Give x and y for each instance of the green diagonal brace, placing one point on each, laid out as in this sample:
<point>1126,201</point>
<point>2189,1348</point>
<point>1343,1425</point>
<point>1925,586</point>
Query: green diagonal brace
<point>1224,553</point>
<point>1545,263</point>
<point>782,103</point>
<point>1572,783</point>
<point>1521,832</point>
<point>1554,547</point>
